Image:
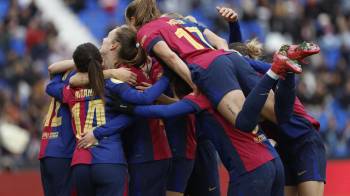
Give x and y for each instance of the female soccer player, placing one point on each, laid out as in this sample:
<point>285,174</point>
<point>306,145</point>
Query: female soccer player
<point>180,132</point>
<point>147,149</point>
<point>56,149</point>
<point>218,74</point>
<point>95,169</point>
<point>204,179</point>
<point>299,144</point>
<point>251,160</point>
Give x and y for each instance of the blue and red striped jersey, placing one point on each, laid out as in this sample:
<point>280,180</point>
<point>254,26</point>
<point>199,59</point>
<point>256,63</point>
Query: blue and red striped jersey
<point>180,39</point>
<point>57,138</point>
<point>239,151</point>
<point>88,112</point>
<point>146,140</point>
<point>181,132</point>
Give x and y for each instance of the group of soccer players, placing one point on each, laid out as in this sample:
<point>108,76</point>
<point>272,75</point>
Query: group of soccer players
<point>148,112</point>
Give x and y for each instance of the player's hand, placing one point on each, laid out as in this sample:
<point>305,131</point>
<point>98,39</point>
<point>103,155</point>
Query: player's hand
<point>227,13</point>
<point>144,86</point>
<point>87,140</point>
<point>125,75</point>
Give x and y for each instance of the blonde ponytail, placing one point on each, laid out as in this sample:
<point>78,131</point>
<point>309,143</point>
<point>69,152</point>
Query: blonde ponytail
<point>255,48</point>
<point>252,48</point>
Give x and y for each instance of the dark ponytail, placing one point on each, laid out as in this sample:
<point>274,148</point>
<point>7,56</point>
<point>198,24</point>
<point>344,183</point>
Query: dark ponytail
<point>143,11</point>
<point>96,78</point>
<point>130,52</point>
<point>87,59</point>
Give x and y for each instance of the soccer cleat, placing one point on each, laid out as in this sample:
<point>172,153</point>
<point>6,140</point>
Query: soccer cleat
<point>281,65</point>
<point>300,51</point>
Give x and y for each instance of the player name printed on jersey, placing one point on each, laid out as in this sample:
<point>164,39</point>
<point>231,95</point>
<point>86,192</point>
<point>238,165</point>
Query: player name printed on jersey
<point>83,93</point>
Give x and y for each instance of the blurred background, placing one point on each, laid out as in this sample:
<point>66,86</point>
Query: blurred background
<point>36,33</point>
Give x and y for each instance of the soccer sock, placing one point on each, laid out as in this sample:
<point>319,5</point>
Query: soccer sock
<point>248,117</point>
<point>284,98</point>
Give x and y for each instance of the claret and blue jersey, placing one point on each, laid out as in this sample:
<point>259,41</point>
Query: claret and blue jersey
<point>182,36</point>
<point>57,139</point>
<point>88,113</point>
<point>240,152</point>
<point>146,140</point>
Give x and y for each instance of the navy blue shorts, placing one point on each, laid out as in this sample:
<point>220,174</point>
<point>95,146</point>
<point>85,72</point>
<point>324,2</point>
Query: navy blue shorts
<point>149,178</point>
<point>56,176</point>
<point>204,179</point>
<point>217,80</point>
<point>246,76</point>
<point>304,159</point>
<point>180,172</point>
<point>100,179</point>
<point>267,179</point>
<point>82,180</point>
<point>226,73</point>
<point>109,179</point>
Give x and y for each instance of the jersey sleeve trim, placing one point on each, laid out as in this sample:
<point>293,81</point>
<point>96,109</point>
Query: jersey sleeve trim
<point>153,42</point>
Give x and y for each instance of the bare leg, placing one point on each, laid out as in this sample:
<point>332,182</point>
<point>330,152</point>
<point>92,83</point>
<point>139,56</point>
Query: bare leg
<point>171,193</point>
<point>268,111</point>
<point>311,188</point>
<point>231,104</point>
<point>290,191</point>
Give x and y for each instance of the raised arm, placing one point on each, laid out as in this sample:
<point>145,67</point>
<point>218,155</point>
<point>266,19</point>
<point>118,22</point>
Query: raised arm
<point>235,32</point>
<point>232,18</point>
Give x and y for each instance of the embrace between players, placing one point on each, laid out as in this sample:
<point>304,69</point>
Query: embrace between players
<point>104,136</point>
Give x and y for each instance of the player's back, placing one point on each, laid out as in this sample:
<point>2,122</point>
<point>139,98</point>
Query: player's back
<point>180,39</point>
<point>145,140</point>
<point>57,129</point>
<point>239,151</point>
<point>88,112</point>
